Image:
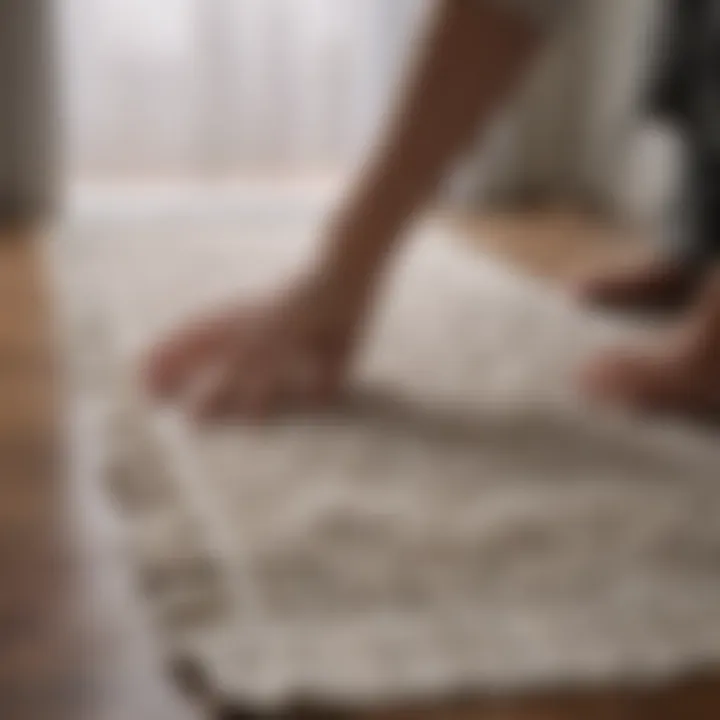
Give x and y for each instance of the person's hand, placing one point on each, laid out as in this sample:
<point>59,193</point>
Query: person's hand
<point>252,359</point>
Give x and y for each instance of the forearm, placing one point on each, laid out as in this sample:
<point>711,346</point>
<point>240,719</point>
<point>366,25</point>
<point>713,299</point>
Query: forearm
<point>471,57</point>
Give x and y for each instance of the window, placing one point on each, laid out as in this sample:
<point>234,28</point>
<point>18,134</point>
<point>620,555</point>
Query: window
<point>223,88</point>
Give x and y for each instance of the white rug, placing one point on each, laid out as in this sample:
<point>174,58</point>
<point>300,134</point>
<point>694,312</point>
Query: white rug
<point>467,525</point>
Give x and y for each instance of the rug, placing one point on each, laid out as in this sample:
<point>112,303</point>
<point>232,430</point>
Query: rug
<point>464,523</point>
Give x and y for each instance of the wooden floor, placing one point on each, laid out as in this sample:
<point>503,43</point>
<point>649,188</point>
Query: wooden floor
<point>71,643</point>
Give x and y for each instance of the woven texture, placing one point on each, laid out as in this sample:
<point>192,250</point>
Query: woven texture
<point>463,523</point>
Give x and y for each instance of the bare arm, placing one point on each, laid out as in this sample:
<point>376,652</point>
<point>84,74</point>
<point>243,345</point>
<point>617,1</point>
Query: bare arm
<point>297,344</point>
<point>470,60</point>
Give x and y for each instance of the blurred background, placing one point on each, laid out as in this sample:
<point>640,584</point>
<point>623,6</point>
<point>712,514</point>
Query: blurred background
<point>214,90</point>
<point>123,92</point>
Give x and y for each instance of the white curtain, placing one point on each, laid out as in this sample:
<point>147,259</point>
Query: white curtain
<point>214,88</point>
<point>225,88</point>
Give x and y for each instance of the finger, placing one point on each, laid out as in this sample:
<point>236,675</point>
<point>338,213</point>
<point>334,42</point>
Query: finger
<point>624,379</point>
<point>263,393</point>
<point>245,386</point>
<point>168,365</point>
<point>253,393</point>
<point>311,382</point>
<point>256,381</point>
<point>210,390</point>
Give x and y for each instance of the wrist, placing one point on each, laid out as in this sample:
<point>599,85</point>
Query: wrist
<point>338,291</point>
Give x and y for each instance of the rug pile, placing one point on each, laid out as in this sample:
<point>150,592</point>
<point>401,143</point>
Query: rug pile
<point>463,524</point>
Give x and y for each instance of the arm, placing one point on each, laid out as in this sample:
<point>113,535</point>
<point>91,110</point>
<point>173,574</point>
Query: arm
<point>297,344</point>
<point>471,58</point>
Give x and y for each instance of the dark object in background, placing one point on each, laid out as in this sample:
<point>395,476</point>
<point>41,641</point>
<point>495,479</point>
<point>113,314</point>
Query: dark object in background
<point>688,71</point>
<point>686,93</point>
<point>29,130</point>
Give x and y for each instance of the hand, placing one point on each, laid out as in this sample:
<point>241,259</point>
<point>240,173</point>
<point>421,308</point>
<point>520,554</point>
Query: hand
<point>253,359</point>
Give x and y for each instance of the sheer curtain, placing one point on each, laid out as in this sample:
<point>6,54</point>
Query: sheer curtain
<point>226,88</point>
<point>214,89</point>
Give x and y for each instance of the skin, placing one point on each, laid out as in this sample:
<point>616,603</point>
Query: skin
<point>679,375</point>
<point>294,345</point>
